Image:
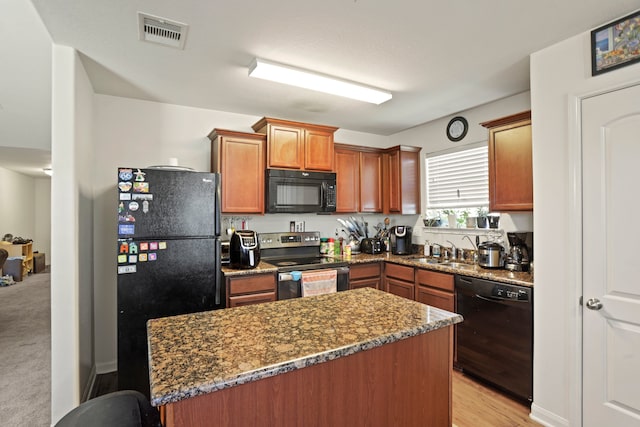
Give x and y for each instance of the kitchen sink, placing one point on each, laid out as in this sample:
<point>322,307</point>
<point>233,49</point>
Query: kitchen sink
<point>459,265</point>
<point>426,260</point>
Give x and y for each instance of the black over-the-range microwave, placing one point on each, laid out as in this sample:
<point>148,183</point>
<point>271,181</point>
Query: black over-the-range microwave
<point>289,191</point>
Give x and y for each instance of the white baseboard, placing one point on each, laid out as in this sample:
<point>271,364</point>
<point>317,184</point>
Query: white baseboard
<point>547,418</point>
<point>106,367</point>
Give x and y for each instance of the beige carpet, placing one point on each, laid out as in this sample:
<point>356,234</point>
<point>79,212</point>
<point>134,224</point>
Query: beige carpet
<point>25,352</point>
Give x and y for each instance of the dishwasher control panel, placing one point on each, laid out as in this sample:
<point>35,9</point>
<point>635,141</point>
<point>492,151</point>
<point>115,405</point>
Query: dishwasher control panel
<point>509,292</point>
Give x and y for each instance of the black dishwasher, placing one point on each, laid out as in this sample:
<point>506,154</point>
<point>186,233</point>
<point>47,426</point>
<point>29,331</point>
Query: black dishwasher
<point>495,340</point>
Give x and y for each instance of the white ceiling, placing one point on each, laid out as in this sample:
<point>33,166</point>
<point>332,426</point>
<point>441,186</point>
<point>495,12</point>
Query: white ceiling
<point>437,58</point>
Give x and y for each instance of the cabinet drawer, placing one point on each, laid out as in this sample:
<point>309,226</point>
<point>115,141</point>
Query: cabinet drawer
<point>365,271</point>
<point>252,284</point>
<point>252,299</point>
<point>435,279</point>
<point>401,272</point>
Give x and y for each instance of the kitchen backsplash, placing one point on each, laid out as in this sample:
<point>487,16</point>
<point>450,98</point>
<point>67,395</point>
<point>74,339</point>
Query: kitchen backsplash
<point>327,226</point>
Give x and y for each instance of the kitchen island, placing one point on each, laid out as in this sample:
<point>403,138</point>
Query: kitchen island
<point>360,357</point>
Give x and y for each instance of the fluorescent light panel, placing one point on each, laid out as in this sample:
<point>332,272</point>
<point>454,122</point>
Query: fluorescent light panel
<point>306,79</point>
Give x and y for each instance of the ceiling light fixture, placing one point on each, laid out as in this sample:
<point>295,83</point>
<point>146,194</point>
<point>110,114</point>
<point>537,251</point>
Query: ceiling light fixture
<point>309,80</point>
<point>48,171</point>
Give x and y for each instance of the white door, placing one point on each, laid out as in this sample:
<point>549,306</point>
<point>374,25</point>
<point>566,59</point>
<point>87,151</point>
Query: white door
<point>611,258</point>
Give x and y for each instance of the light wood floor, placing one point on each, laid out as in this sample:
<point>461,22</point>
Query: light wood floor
<point>475,405</point>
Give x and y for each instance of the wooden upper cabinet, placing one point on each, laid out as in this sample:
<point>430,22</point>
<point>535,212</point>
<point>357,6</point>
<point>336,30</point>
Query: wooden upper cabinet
<point>294,145</point>
<point>370,181</point>
<point>285,147</point>
<point>510,163</point>
<point>402,180</point>
<point>347,166</point>
<point>239,158</point>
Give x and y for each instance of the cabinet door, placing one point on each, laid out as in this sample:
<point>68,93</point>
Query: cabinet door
<point>347,164</point>
<point>370,182</point>
<point>242,175</point>
<point>399,287</point>
<point>435,298</point>
<point>393,181</point>
<point>402,180</point>
<point>286,147</point>
<point>318,150</point>
<point>510,167</point>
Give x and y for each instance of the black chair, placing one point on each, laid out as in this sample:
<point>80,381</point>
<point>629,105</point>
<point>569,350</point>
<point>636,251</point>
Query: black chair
<point>127,408</point>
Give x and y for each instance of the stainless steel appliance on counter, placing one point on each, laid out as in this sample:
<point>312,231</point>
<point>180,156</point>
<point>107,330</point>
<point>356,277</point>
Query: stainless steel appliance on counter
<point>490,255</point>
<point>292,191</point>
<point>495,341</point>
<point>296,254</point>
<point>168,257</point>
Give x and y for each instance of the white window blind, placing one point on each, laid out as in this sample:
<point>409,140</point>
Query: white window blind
<point>458,180</point>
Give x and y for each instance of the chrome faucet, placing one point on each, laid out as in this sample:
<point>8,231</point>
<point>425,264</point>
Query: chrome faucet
<point>470,241</point>
<point>454,250</point>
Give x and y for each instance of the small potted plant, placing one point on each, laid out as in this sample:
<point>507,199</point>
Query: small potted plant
<point>451,218</point>
<point>482,217</point>
<point>469,220</point>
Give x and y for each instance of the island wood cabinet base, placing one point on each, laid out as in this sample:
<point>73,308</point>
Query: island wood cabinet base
<point>405,383</point>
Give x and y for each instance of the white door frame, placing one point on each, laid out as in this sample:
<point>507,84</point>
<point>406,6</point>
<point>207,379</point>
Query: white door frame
<point>575,286</point>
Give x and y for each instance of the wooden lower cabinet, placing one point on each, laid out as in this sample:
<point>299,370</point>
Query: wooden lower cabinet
<point>251,289</point>
<point>365,275</point>
<point>399,280</point>
<point>406,383</point>
<point>435,289</point>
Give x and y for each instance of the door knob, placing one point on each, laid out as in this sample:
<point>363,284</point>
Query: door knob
<point>593,304</point>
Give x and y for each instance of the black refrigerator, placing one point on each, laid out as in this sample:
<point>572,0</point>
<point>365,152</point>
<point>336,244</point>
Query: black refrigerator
<point>168,257</point>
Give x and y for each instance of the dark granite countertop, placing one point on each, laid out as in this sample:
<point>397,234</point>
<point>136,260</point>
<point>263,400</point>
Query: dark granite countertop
<point>499,275</point>
<point>200,353</point>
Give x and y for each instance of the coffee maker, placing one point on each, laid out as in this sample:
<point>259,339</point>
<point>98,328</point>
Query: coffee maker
<point>520,253</point>
<point>400,238</point>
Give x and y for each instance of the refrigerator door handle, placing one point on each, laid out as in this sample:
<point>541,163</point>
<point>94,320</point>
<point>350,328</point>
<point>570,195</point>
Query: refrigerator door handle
<point>218,277</point>
<point>218,207</point>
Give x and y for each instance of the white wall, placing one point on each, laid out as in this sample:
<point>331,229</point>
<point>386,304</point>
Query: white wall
<point>26,209</point>
<point>17,204</point>
<point>42,213</point>
<point>71,234</point>
<point>560,75</point>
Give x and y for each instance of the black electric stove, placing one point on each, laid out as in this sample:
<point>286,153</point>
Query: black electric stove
<point>294,252</point>
<point>291,251</point>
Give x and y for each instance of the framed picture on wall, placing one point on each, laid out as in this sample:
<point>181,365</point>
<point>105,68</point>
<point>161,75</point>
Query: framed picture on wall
<point>616,44</point>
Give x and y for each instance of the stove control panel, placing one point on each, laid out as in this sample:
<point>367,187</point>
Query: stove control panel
<point>289,239</point>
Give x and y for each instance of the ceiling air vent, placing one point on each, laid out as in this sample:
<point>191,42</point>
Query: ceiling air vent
<point>161,30</point>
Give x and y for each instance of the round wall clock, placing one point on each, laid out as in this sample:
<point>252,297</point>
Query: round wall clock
<point>457,128</point>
